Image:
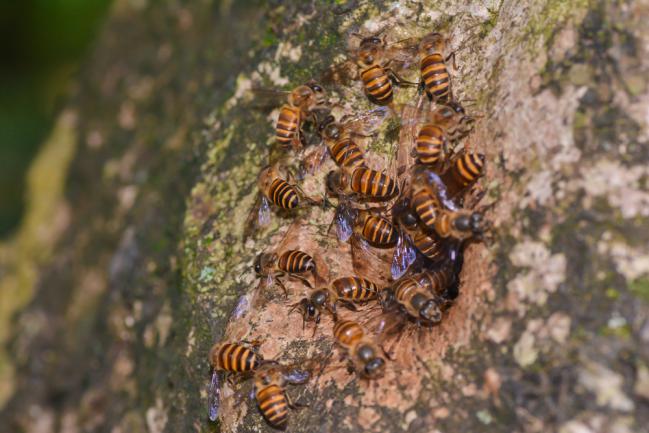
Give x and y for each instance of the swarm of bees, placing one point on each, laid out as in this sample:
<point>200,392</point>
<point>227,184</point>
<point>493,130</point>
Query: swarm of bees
<point>421,213</point>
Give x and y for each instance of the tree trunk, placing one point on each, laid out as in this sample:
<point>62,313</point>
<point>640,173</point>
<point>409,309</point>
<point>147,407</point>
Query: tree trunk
<point>131,258</point>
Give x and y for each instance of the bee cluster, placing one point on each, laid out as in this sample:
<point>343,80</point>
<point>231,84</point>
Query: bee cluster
<point>417,212</point>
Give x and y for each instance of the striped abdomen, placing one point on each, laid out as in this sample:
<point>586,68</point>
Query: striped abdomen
<point>355,289</point>
<point>468,168</point>
<point>436,77</point>
<point>379,231</point>
<point>429,145</point>
<point>347,332</point>
<point>404,289</point>
<point>234,357</point>
<point>346,153</point>
<point>437,281</point>
<point>273,405</point>
<point>288,124</point>
<point>377,84</point>
<point>427,207</point>
<point>373,183</point>
<point>283,194</point>
<point>431,247</point>
<point>295,262</point>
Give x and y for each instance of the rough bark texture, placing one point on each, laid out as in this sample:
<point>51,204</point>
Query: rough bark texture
<point>115,288</point>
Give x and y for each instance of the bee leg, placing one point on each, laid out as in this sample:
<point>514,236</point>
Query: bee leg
<point>280,283</point>
<point>303,280</point>
<point>451,56</point>
<point>294,405</point>
<point>398,80</point>
<point>350,306</point>
<point>317,322</point>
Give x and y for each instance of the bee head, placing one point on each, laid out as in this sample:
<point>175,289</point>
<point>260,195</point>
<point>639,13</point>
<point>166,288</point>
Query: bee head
<point>375,368</point>
<point>264,261</point>
<point>430,311</point>
<point>469,223</point>
<point>369,51</point>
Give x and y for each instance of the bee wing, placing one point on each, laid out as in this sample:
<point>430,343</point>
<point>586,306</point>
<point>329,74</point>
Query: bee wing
<point>214,396</point>
<point>259,215</point>
<point>339,74</point>
<point>265,98</point>
<point>344,221</point>
<point>368,122</point>
<point>314,159</point>
<point>404,255</point>
<point>404,51</point>
<point>263,217</point>
<point>297,376</point>
<point>438,188</point>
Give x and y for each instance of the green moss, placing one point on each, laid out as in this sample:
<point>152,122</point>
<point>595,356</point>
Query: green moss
<point>640,288</point>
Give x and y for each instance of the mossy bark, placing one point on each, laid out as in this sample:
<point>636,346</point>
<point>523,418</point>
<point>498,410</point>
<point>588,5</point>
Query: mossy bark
<point>146,260</point>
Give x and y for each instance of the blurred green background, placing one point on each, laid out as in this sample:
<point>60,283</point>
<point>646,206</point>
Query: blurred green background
<point>41,42</point>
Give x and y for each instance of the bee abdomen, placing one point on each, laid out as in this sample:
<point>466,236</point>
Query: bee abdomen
<point>379,231</point>
<point>348,332</point>
<point>295,262</point>
<point>426,206</point>
<point>355,288</point>
<point>430,247</point>
<point>436,77</point>
<point>468,168</point>
<point>377,84</point>
<point>283,194</point>
<point>373,183</point>
<point>234,357</point>
<point>429,144</point>
<point>437,281</point>
<point>346,153</point>
<point>287,125</point>
<point>273,405</point>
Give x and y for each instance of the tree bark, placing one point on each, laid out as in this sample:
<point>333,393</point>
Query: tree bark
<point>116,290</point>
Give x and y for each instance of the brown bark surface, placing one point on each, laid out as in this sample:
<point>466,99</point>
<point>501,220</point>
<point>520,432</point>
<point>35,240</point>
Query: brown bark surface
<point>117,290</point>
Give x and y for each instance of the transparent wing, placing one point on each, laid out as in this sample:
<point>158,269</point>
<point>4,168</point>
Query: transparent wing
<point>339,74</point>
<point>404,255</point>
<point>242,307</point>
<point>315,158</point>
<point>265,98</point>
<point>404,52</point>
<point>297,376</point>
<point>214,396</point>
<point>344,219</point>
<point>368,122</point>
<point>263,216</point>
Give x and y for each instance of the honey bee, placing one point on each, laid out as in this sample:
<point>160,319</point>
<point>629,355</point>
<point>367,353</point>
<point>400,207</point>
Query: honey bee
<point>294,263</point>
<point>366,357</point>
<point>465,170</point>
<point>435,78</point>
<point>413,299</point>
<point>302,102</point>
<point>339,139</point>
<point>229,358</point>
<point>270,392</point>
<point>345,290</point>
<point>447,123</point>
<point>373,58</point>
<point>275,190</point>
<point>362,183</point>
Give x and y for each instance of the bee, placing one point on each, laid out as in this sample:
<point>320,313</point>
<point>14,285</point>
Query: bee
<point>229,358</point>
<point>465,170</point>
<point>274,190</point>
<point>430,246</point>
<point>373,58</point>
<point>302,102</point>
<point>295,263</point>
<point>438,281</point>
<point>412,298</point>
<point>461,224</point>
<point>340,139</point>
<point>364,354</point>
<point>435,78</point>
<point>270,392</point>
<point>362,183</point>
<point>345,290</point>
